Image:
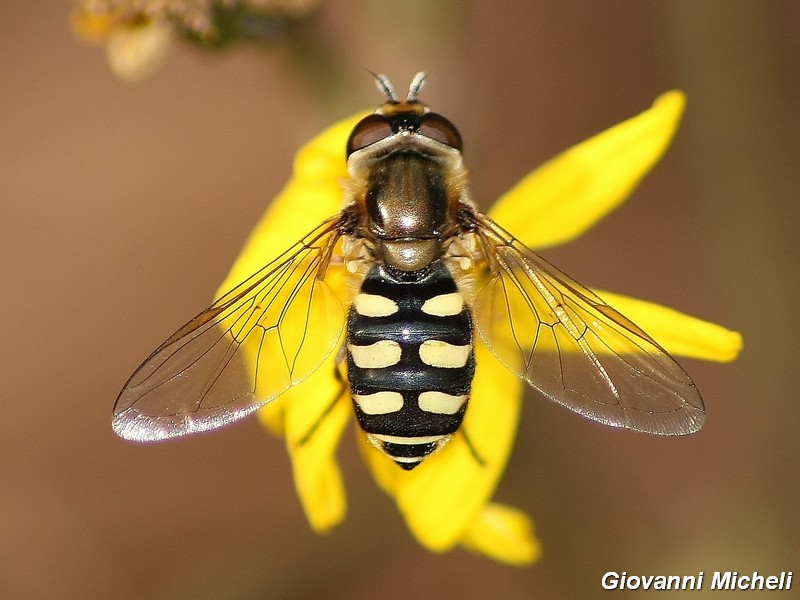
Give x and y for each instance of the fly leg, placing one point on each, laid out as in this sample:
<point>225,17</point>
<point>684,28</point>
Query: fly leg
<point>472,450</point>
<point>340,393</point>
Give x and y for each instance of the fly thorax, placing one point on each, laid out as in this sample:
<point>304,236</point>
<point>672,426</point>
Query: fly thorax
<point>407,206</point>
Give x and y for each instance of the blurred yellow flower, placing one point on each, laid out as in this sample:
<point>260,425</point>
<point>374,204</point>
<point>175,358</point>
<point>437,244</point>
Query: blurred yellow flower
<point>446,500</point>
<point>138,33</point>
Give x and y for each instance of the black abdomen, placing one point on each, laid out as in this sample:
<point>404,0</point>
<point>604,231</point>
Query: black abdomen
<point>410,360</point>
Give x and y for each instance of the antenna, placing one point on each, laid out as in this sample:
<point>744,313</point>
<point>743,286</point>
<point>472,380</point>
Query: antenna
<point>416,86</point>
<point>385,86</point>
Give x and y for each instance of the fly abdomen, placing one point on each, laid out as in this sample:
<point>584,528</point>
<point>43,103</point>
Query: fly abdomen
<point>410,360</point>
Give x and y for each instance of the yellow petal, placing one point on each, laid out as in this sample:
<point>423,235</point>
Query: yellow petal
<point>273,417</point>
<point>443,496</point>
<point>570,193</point>
<point>385,472</point>
<point>313,422</point>
<point>678,333</point>
<point>313,194</point>
<point>505,534</point>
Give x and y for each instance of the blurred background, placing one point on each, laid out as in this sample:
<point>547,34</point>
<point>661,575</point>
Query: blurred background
<point>124,204</point>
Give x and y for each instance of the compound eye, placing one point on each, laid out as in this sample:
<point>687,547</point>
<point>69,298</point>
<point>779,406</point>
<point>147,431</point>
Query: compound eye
<point>369,130</point>
<point>438,128</point>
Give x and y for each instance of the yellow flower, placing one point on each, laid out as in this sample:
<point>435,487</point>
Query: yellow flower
<point>446,500</point>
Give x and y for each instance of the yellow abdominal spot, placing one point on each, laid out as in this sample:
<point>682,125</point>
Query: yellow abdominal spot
<point>372,305</point>
<point>444,305</point>
<point>441,403</point>
<point>408,440</point>
<point>437,353</point>
<point>379,403</point>
<point>384,353</point>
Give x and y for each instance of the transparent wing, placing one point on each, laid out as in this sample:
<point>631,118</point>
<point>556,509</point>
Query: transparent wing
<point>563,340</point>
<point>252,344</point>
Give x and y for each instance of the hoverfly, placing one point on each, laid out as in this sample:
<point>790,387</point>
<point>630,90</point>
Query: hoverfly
<point>428,274</point>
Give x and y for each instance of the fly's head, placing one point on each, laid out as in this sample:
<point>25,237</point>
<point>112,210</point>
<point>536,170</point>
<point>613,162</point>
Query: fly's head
<point>407,178</point>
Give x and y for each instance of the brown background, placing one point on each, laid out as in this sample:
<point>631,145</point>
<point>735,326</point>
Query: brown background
<point>123,206</point>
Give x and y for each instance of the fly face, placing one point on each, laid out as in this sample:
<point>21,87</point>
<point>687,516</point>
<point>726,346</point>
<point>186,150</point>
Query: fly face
<point>437,278</point>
